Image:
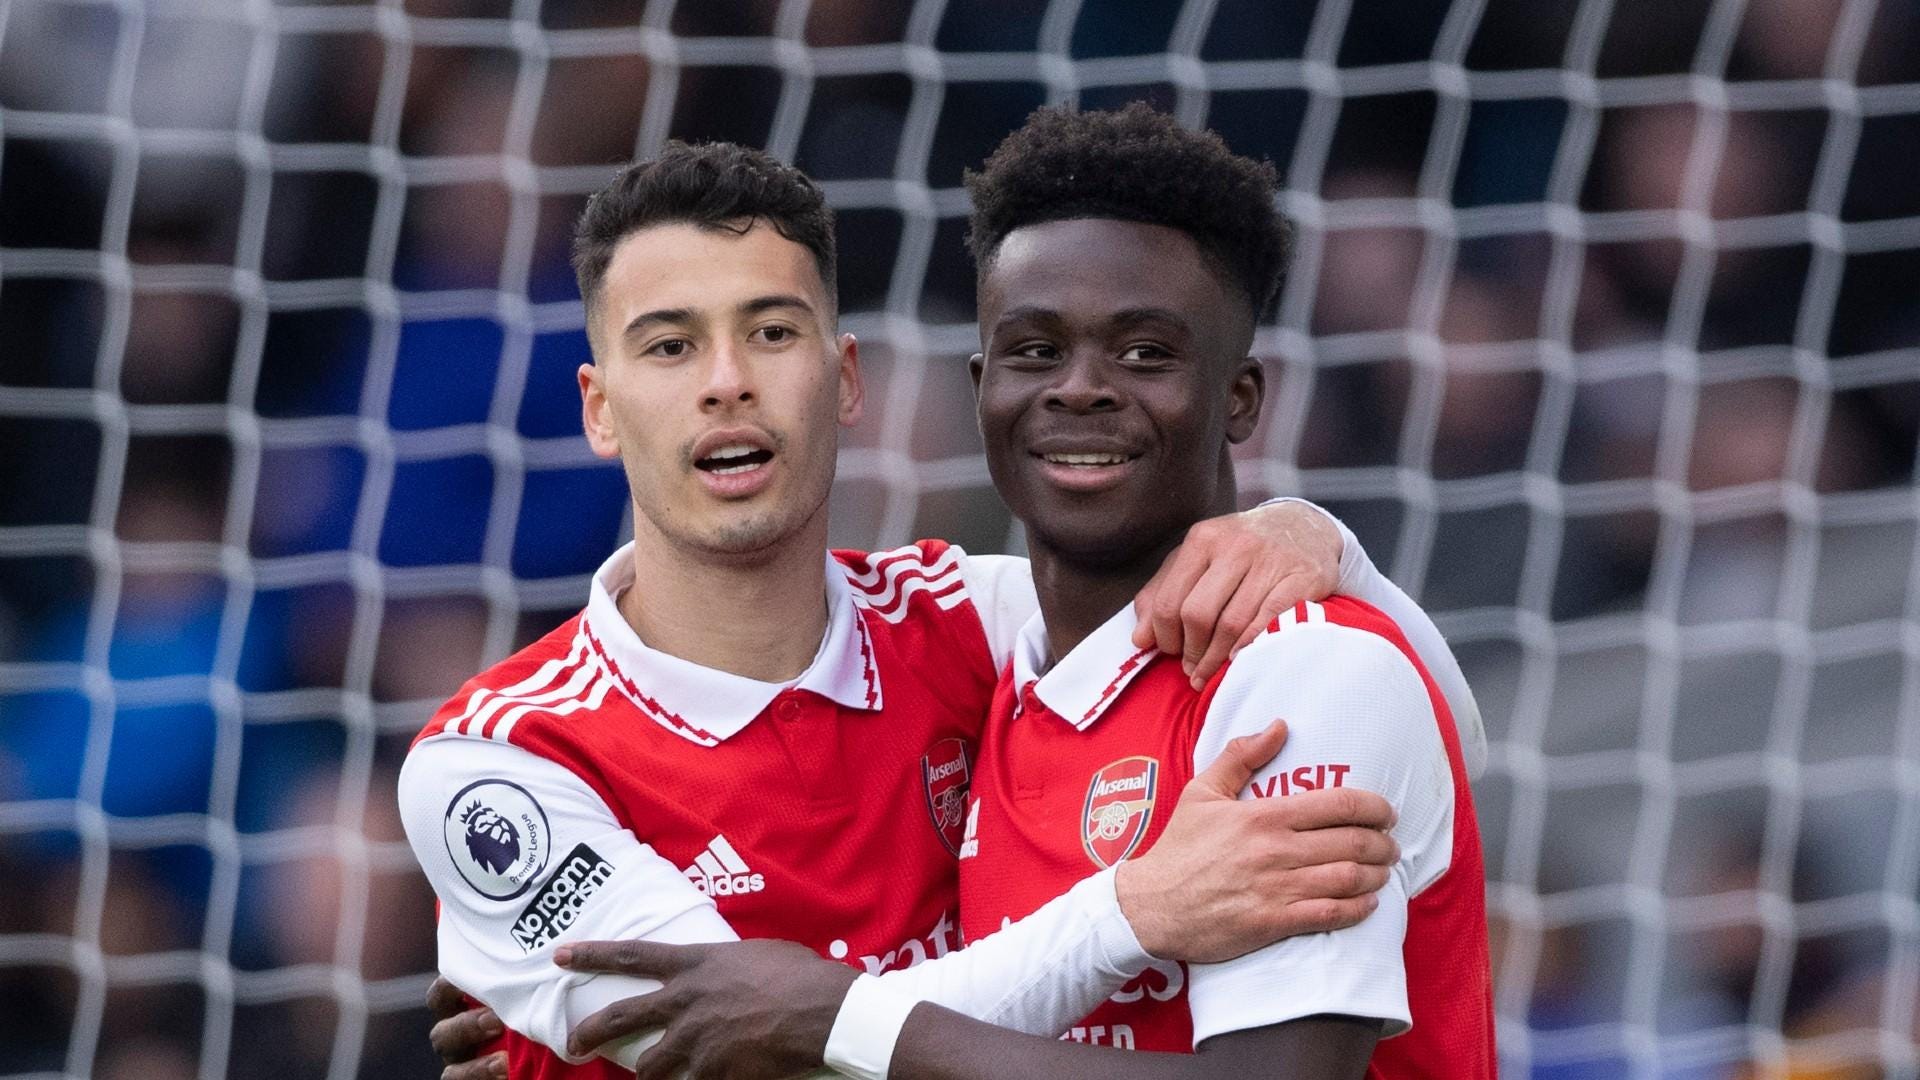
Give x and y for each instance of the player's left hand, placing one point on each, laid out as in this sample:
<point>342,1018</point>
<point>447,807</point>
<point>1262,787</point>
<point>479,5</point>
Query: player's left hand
<point>741,1010</point>
<point>1230,577</point>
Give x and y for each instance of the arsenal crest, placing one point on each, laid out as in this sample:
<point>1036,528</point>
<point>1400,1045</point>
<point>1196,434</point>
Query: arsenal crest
<point>947,778</point>
<point>1119,806</point>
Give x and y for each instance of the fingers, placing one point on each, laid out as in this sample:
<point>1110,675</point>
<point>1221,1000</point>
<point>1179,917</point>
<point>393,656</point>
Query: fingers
<point>664,1060</point>
<point>625,1017</point>
<point>1201,610</point>
<point>1237,763</point>
<point>1170,587</point>
<point>1276,601</point>
<point>1342,846</point>
<point>1239,622</point>
<point>491,1067</point>
<point>445,999</point>
<point>1333,806</point>
<point>1322,915</point>
<point>459,1037</point>
<point>646,958</point>
<point>1143,606</point>
<point>1340,881</point>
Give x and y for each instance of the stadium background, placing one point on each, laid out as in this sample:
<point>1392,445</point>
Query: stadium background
<point>1601,335</point>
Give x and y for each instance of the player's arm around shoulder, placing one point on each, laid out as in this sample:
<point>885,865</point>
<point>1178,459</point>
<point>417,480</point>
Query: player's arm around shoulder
<point>1358,716</point>
<point>524,855</point>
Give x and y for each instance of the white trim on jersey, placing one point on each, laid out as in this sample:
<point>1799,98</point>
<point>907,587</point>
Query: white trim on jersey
<point>594,692</point>
<point>895,576</point>
<point>474,717</point>
<point>707,706</point>
<point>1315,612</point>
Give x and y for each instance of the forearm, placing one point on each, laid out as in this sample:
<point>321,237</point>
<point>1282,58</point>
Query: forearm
<point>1039,974</point>
<point>939,1044</point>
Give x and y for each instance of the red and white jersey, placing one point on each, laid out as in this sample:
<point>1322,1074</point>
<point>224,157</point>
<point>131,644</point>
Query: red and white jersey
<point>1080,768</point>
<point>590,787</point>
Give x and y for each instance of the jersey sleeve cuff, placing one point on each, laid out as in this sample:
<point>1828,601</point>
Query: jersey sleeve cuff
<point>1118,944</point>
<point>866,1029</point>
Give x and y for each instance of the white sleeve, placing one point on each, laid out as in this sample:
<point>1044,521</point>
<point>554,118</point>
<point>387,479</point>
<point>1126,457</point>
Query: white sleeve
<point>524,855</point>
<point>1001,587</point>
<point>1362,580</point>
<point>1037,975</point>
<point>1358,715</point>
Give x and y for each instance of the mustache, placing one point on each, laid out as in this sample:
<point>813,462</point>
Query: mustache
<point>775,442</point>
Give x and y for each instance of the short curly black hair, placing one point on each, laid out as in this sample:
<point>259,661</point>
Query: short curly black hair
<point>1135,164</point>
<point>712,185</point>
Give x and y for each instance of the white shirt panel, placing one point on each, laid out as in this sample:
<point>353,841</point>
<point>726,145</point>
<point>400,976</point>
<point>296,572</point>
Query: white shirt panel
<point>1001,587</point>
<point>1362,580</point>
<point>1351,699</point>
<point>488,946</point>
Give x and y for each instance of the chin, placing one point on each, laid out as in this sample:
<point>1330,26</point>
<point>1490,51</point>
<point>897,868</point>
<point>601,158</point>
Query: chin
<point>750,535</point>
<point>1099,546</point>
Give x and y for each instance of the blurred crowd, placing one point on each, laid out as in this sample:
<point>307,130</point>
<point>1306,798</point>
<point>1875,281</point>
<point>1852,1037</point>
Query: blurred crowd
<point>1644,447</point>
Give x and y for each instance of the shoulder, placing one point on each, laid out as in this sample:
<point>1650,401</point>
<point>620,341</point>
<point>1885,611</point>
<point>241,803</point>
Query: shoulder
<point>1340,628</point>
<point>559,674</point>
<point>1343,655</point>
<point>887,583</point>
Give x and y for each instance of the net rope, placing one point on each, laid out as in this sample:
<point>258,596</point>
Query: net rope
<point>1544,752</point>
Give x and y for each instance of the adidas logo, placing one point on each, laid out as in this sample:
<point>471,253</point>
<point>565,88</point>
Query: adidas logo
<point>720,871</point>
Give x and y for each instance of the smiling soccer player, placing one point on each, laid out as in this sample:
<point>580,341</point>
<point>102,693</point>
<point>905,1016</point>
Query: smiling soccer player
<point>1123,262</point>
<point>742,735</point>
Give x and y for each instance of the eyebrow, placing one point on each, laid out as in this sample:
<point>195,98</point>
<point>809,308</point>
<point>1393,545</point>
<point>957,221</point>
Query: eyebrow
<point>1025,312</point>
<point>1124,317</point>
<point>1132,316</point>
<point>780,300</point>
<point>687,316</point>
<point>661,316</point>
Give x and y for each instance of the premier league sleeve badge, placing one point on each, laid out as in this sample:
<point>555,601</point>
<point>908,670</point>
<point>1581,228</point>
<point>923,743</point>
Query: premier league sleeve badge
<point>498,838</point>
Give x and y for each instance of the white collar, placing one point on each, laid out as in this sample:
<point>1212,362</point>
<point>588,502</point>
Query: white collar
<point>1080,687</point>
<point>708,705</point>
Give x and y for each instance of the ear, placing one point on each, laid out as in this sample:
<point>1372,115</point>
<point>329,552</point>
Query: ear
<point>1244,397</point>
<point>853,395</point>
<point>977,367</point>
<point>593,414</point>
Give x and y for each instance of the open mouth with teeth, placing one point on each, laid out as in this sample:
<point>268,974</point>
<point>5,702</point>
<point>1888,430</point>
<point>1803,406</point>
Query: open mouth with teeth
<point>728,460</point>
<point>1086,461</point>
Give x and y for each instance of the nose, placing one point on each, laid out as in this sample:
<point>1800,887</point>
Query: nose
<point>1083,387</point>
<point>729,383</point>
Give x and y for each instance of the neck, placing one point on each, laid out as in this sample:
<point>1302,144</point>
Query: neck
<point>1077,598</point>
<point>761,618</point>
<point>1078,595</point>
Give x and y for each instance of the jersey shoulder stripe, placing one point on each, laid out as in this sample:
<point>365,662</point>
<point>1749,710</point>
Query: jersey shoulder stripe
<point>559,675</point>
<point>884,581</point>
<point>543,672</point>
<point>1349,612</point>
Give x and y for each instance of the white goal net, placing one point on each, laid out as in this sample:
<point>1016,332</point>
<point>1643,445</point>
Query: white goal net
<point>1602,333</point>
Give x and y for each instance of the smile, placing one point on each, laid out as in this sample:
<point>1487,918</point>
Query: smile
<point>1086,461</point>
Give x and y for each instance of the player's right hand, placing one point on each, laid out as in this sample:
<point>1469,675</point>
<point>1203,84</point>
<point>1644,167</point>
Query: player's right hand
<point>1229,876</point>
<point>459,1033</point>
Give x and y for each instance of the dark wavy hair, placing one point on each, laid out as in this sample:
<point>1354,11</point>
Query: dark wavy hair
<point>1135,164</point>
<point>711,185</point>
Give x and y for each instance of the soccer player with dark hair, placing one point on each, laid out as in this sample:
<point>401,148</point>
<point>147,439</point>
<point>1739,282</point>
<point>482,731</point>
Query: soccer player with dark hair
<point>1123,262</point>
<point>744,735</point>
